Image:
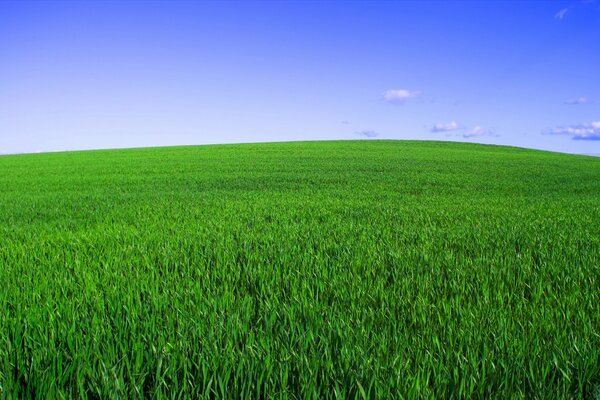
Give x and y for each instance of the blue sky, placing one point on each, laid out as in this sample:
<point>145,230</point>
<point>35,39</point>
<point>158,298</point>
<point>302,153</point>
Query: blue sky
<point>107,74</point>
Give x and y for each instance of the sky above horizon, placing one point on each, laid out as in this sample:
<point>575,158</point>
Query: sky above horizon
<point>110,74</point>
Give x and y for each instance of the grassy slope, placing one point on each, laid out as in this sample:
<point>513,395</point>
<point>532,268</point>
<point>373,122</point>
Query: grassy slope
<point>376,268</point>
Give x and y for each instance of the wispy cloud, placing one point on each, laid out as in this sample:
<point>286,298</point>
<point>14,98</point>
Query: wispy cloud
<point>579,100</point>
<point>560,15</point>
<point>345,122</point>
<point>399,96</point>
<point>478,131</point>
<point>368,134</point>
<point>585,131</point>
<point>575,7</point>
<point>447,127</point>
<point>461,130</point>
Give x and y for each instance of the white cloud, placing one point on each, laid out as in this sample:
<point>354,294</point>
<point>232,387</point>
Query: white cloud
<point>580,100</point>
<point>368,134</point>
<point>399,96</point>
<point>585,131</point>
<point>461,130</point>
<point>478,131</point>
<point>447,127</point>
<point>561,14</point>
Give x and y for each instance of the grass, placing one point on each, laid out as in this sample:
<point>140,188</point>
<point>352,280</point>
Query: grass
<point>360,269</point>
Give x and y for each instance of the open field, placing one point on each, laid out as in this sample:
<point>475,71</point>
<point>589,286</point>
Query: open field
<point>360,269</point>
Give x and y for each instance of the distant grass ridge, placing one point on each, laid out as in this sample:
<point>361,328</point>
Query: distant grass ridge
<point>355,269</point>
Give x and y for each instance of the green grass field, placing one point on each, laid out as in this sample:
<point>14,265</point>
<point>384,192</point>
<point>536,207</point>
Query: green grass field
<point>359,269</point>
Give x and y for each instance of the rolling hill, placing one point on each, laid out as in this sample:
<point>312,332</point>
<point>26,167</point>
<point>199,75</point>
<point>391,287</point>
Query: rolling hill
<point>350,269</point>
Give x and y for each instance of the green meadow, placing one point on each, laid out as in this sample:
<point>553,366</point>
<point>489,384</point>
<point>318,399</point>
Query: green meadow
<point>349,270</point>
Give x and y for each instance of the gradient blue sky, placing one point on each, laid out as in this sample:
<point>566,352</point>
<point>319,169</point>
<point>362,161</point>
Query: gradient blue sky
<point>106,74</point>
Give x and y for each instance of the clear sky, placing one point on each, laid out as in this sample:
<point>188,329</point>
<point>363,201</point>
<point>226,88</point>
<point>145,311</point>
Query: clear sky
<point>106,74</point>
